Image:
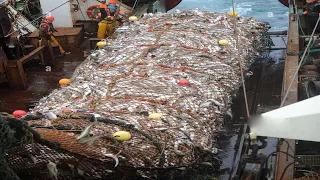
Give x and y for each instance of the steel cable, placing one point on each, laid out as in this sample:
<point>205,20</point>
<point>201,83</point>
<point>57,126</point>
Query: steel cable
<point>240,62</point>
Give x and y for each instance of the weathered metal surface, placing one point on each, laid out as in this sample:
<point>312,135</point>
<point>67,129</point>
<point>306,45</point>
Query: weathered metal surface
<point>15,77</point>
<point>14,69</point>
<point>3,57</point>
<point>68,38</point>
<point>33,53</point>
<point>41,82</point>
<point>291,65</point>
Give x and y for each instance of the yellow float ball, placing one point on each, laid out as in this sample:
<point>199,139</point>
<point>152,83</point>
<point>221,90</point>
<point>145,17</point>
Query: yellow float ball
<point>122,136</point>
<point>155,116</point>
<point>223,42</point>
<point>64,82</point>
<point>233,13</point>
<point>133,18</point>
<point>102,43</point>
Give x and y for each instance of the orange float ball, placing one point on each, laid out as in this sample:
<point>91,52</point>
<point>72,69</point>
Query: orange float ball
<point>64,82</point>
<point>19,113</point>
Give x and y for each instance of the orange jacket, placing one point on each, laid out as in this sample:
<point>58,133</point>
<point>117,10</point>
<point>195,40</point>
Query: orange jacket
<point>113,2</point>
<point>103,6</point>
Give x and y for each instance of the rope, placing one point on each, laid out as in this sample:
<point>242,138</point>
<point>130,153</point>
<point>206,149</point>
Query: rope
<point>240,62</point>
<point>135,3</point>
<point>300,63</point>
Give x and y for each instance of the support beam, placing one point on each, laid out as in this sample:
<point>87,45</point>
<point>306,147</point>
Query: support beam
<point>15,72</point>
<point>291,64</point>
<point>277,32</point>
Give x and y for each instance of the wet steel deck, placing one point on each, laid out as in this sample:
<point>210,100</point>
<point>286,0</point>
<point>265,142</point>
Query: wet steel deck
<point>41,83</point>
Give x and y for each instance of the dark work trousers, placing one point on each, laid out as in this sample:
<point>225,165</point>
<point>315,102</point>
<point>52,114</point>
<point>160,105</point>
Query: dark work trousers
<point>103,14</point>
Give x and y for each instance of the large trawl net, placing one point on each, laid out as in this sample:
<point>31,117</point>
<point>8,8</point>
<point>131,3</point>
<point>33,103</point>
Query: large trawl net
<point>165,79</point>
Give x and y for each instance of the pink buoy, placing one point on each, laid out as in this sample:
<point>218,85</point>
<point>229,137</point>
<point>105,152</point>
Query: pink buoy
<point>183,82</point>
<point>19,113</point>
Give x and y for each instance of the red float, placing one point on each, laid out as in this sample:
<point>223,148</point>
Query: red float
<point>19,113</point>
<point>183,82</point>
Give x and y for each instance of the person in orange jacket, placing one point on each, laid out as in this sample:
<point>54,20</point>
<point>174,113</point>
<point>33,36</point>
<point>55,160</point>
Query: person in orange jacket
<point>103,9</point>
<point>46,32</point>
<point>114,2</point>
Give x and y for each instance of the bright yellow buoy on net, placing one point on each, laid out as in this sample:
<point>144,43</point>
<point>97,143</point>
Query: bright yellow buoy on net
<point>122,136</point>
<point>223,42</point>
<point>102,43</point>
<point>233,13</point>
<point>155,116</point>
<point>133,18</point>
<point>64,82</point>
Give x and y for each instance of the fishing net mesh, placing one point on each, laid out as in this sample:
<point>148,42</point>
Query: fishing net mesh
<point>309,176</point>
<point>170,64</point>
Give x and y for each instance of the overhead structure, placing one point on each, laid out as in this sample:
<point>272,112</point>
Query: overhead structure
<point>300,121</point>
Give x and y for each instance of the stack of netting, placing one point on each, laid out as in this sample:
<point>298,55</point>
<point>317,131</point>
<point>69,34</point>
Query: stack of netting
<point>169,64</point>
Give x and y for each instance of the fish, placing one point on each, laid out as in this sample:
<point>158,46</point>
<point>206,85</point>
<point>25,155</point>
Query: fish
<point>207,164</point>
<point>90,140</point>
<point>182,168</point>
<point>53,171</point>
<point>86,131</point>
<point>115,158</point>
<point>217,103</point>
<point>34,159</point>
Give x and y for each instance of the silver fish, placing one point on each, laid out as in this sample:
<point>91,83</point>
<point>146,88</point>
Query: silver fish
<point>217,103</point>
<point>34,159</point>
<point>207,164</point>
<point>113,157</point>
<point>53,171</point>
<point>86,131</point>
<point>90,140</point>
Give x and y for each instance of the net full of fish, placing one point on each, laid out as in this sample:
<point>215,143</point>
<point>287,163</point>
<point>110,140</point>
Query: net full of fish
<point>137,74</point>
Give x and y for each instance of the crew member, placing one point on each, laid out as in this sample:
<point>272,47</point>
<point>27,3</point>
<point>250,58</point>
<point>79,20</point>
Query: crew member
<point>312,7</point>
<point>103,9</point>
<point>107,24</point>
<point>112,2</point>
<point>112,9</point>
<point>47,30</point>
<point>311,13</point>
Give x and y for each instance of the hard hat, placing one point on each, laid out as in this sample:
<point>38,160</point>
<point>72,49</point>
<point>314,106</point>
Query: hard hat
<point>113,2</point>
<point>112,7</point>
<point>50,18</point>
